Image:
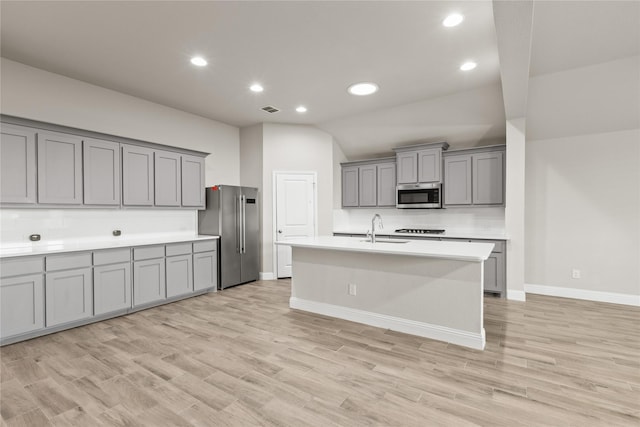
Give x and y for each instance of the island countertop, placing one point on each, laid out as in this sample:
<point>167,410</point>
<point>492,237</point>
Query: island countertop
<point>462,251</point>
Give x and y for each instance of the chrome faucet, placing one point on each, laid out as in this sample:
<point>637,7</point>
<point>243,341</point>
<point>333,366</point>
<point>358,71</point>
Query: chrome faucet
<point>373,227</point>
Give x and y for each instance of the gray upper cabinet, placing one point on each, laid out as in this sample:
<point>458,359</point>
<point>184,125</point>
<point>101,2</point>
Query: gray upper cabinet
<point>429,161</point>
<point>101,172</point>
<point>457,180</point>
<point>420,163</point>
<point>488,178</point>
<point>17,165</point>
<point>193,181</point>
<point>367,186</point>
<point>59,168</point>
<point>387,184</point>
<point>407,167</point>
<point>137,176</point>
<point>350,186</point>
<point>168,188</point>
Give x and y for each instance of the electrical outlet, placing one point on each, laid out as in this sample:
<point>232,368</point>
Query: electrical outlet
<point>575,273</point>
<point>352,289</point>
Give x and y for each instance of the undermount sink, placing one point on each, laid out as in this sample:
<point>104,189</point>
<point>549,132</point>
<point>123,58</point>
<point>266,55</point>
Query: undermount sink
<point>385,241</point>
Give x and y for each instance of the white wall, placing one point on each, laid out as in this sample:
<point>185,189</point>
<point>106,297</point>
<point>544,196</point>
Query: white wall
<point>40,95</point>
<point>583,182</point>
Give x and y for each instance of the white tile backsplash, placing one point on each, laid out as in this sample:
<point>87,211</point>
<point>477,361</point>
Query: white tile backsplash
<point>64,224</point>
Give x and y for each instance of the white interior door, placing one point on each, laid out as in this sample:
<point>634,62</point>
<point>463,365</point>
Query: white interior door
<point>295,215</point>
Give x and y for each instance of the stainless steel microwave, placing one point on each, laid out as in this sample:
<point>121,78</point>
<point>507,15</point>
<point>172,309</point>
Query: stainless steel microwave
<point>419,196</point>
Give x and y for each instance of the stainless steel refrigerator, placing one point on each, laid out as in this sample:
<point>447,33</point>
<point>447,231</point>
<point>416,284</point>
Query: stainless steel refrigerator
<point>232,213</point>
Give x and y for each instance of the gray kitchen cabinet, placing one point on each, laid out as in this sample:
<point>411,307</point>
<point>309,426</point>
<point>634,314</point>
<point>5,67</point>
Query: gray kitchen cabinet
<point>457,180</point>
<point>21,304</point>
<point>111,280</point>
<point>149,281</point>
<point>101,172</point>
<point>59,168</point>
<point>367,185</point>
<point>407,163</point>
<point>494,273</point>
<point>429,161</point>
<point>488,178</point>
<point>179,270</point>
<point>17,165</point>
<point>68,296</point>
<point>420,163</point>
<point>193,181</point>
<point>168,187</point>
<point>205,270</point>
<point>350,186</point>
<point>137,176</point>
<point>387,184</point>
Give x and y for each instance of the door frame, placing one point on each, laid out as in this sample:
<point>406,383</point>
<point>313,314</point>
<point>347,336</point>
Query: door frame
<point>274,213</point>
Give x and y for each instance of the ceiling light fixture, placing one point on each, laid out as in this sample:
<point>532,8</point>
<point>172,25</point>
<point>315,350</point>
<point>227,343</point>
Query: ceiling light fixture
<point>469,65</point>
<point>361,89</point>
<point>199,61</point>
<point>301,109</point>
<point>453,20</point>
<point>256,87</point>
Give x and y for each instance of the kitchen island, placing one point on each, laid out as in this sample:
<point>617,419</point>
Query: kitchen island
<point>432,289</point>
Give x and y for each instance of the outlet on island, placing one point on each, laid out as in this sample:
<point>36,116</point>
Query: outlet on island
<point>351,289</point>
<point>575,273</point>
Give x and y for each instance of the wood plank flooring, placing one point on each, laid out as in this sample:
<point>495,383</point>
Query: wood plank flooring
<point>241,357</point>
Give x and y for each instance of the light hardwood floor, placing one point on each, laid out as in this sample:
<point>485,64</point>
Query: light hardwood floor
<point>241,357</point>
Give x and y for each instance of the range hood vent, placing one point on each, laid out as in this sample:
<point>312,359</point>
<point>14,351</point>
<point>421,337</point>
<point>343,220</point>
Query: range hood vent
<point>270,109</point>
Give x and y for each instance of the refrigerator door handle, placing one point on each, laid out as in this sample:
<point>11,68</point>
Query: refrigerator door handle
<point>238,225</point>
<point>244,224</point>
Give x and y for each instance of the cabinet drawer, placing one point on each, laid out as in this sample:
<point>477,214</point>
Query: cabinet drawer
<point>207,245</point>
<point>67,261</point>
<point>19,266</point>
<point>111,256</point>
<point>178,249</point>
<point>148,252</point>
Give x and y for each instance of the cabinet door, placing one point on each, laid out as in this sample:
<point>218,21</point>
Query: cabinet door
<point>367,186</point>
<point>69,296</point>
<point>387,184</point>
<point>137,176</point>
<point>112,287</point>
<point>494,273</point>
<point>21,305</point>
<point>101,172</point>
<point>17,165</point>
<point>168,191</point>
<point>350,186</point>
<point>205,270</point>
<point>193,181</point>
<point>429,161</point>
<point>407,163</point>
<point>179,275</point>
<point>59,169</point>
<point>148,281</point>
<point>457,180</point>
<point>488,178</point>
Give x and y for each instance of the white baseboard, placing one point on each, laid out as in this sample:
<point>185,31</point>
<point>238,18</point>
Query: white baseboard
<point>441,333</point>
<point>516,295</point>
<point>611,297</point>
<point>266,275</point>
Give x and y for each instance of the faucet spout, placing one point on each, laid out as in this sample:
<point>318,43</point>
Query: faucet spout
<point>373,226</point>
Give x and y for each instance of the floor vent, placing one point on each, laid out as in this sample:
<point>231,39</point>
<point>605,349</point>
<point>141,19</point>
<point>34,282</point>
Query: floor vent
<point>270,109</point>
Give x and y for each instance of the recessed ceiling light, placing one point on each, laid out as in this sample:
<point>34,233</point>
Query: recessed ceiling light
<point>469,65</point>
<point>301,109</point>
<point>199,61</point>
<point>453,20</point>
<point>362,89</point>
<point>256,87</point>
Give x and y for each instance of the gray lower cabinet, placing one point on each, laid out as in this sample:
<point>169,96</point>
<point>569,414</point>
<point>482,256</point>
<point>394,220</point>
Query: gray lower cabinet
<point>111,287</point>
<point>101,172</point>
<point>168,186</point>
<point>387,184</point>
<point>494,273</point>
<point>137,176</point>
<point>193,181</point>
<point>68,296</point>
<point>17,165</point>
<point>21,304</point>
<point>59,169</point>
<point>205,270</point>
<point>179,271</point>
<point>367,185</point>
<point>350,186</point>
<point>149,281</point>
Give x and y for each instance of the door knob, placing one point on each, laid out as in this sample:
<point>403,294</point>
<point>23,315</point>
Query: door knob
<point>280,231</point>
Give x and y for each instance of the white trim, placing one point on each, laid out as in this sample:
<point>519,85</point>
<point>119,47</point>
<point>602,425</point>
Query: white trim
<point>516,295</point>
<point>583,294</point>
<point>427,330</point>
<point>266,275</point>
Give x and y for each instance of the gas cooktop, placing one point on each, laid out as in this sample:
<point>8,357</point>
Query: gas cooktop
<point>420,230</point>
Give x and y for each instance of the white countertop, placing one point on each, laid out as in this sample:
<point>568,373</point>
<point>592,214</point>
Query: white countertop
<point>15,249</point>
<point>461,251</point>
<point>453,234</point>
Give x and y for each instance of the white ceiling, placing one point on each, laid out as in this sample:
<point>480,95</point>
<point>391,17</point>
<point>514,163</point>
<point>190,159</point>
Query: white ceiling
<point>308,53</point>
